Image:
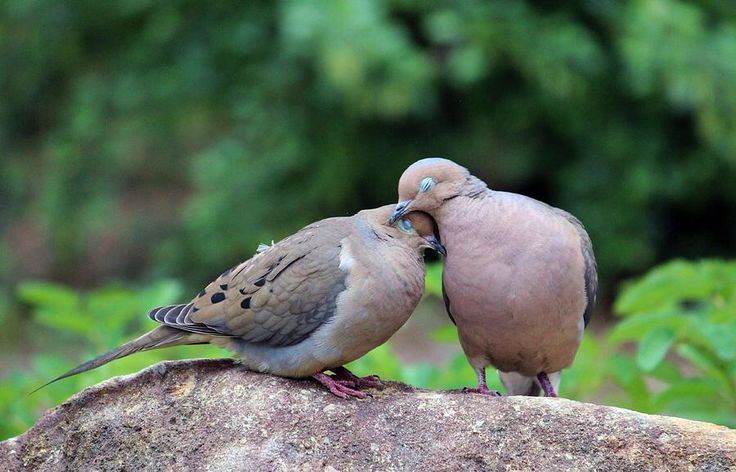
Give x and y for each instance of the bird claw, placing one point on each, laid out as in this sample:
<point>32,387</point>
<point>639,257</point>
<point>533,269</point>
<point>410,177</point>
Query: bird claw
<point>482,390</point>
<point>345,377</point>
<point>338,388</point>
<point>343,391</point>
<point>369,381</point>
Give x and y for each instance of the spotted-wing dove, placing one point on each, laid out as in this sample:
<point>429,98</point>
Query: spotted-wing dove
<point>519,278</point>
<point>311,302</point>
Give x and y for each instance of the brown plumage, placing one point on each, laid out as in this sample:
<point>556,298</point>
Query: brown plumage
<point>311,302</point>
<point>519,278</point>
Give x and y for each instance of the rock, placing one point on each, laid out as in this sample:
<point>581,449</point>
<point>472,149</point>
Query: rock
<point>215,415</point>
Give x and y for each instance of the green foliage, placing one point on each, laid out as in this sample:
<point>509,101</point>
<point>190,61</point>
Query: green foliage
<point>184,134</point>
<point>146,140</point>
<point>682,319</point>
<point>75,327</point>
<point>455,373</point>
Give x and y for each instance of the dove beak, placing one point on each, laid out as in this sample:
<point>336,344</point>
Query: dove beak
<point>435,244</point>
<point>401,208</point>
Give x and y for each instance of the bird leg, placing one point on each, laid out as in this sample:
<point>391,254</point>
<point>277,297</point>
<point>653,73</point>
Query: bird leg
<point>549,390</point>
<point>345,377</point>
<point>480,373</point>
<point>338,389</point>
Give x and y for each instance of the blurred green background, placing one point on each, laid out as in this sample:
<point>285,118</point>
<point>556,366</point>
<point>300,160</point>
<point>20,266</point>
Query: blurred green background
<point>146,146</point>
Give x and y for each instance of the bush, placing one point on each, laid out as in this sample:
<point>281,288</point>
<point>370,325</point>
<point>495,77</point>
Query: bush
<point>182,134</point>
<point>70,327</point>
<point>681,318</point>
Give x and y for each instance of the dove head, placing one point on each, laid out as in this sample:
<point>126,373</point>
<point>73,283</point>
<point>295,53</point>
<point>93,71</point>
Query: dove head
<point>417,229</point>
<point>428,183</point>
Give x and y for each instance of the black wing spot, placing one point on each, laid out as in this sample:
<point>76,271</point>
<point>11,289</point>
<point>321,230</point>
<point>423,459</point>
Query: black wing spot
<point>245,304</point>
<point>260,282</point>
<point>217,297</point>
<point>202,293</point>
<point>223,287</point>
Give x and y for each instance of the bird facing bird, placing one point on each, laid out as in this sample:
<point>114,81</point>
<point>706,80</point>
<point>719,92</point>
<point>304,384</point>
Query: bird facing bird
<point>519,279</point>
<point>309,303</point>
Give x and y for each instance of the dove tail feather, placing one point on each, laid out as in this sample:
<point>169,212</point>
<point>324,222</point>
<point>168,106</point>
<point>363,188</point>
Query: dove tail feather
<point>163,336</point>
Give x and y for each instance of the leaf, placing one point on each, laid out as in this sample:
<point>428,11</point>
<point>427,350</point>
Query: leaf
<point>667,285</point>
<point>653,347</point>
<point>687,390</point>
<point>588,372</point>
<point>622,369</point>
<point>62,320</point>
<point>48,294</point>
<point>667,371</point>
<point>635,327</point>
<point>704,363</point>
<point>721,338</point>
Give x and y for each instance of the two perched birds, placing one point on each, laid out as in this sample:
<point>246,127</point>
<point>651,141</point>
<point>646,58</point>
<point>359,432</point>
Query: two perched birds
<point>519,281</point>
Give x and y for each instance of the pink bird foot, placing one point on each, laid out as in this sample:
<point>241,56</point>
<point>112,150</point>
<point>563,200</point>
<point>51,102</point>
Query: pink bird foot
<point>482,388</point>
<point>345,377</point>
<point>336,388</point>
<point>549,389</point>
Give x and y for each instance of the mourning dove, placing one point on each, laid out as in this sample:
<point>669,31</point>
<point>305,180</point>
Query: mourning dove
<point>519,278</point>
<point>311,302</point>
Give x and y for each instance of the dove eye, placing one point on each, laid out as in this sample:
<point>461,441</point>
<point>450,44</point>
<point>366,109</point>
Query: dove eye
<point>426,184</point>
<point>405,225</point>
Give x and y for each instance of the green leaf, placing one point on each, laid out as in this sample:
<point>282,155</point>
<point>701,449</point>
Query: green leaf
<point>62,320</point>
<point>665,286</point>
<point>667,371</point>
<point>653,347</point>
<point>720,338</point>
<point>703,362</point>
<point>47,293</point>
<point>693,390</point>
<point>635,327</point>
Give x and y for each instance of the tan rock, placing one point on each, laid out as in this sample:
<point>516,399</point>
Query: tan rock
<point>215,415</point>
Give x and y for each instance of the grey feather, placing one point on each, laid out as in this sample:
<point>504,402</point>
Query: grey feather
<point>176,316</point>
<point>591,267</point>
<point>158,338</point>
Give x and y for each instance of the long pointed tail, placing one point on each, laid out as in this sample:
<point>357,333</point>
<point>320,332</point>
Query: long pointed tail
<point>163,336</point>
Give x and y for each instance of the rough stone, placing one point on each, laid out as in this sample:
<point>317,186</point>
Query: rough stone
<point>215,415</point>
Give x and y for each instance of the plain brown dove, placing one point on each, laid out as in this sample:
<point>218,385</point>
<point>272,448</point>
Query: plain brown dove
<point>519,279</point>
<point>311,302</point>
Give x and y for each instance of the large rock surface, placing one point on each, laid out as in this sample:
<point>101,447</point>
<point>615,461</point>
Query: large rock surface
<point>213,414</point>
